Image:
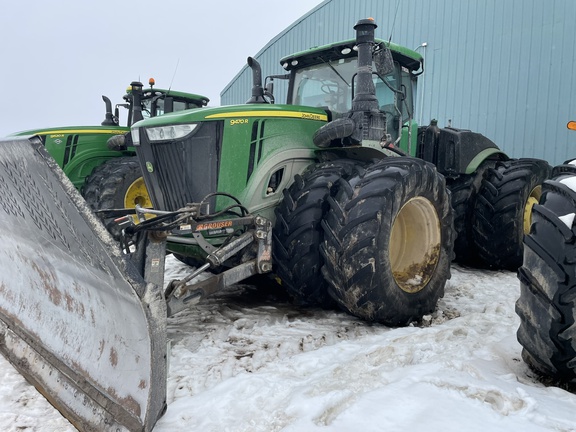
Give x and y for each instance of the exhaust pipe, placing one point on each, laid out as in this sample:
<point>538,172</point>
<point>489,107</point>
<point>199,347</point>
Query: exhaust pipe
<point>370,122</point>
<point>365,97</point>
<point>109,120</point>
<point>257,89</point>
<point>136,103</point>
<point>364,121</point>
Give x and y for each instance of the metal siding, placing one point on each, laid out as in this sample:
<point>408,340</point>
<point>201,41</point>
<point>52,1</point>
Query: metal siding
<point>503,68</point>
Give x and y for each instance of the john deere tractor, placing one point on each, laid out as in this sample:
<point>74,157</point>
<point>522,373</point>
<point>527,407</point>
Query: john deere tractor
<point>356,193</point>
<point>337,192</point>
<point>98,159</point>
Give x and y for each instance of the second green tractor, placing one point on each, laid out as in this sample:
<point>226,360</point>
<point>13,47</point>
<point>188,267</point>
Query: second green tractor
<point>99,160</point>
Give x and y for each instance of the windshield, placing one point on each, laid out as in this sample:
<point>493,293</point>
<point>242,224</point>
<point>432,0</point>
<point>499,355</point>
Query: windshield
<point>329,85</point>
<point>152,107</point>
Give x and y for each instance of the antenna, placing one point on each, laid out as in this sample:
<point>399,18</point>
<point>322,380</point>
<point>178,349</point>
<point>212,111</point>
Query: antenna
<point>394,22</point>
<point>173,75</point>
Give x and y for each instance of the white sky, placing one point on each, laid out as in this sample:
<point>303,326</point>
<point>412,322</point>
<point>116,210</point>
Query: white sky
<point>57,58</point>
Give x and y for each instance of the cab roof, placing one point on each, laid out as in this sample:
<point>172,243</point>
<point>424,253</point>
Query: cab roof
<point>345,49</point>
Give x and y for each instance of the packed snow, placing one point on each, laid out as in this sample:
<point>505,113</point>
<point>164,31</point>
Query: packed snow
<point>248,360</point>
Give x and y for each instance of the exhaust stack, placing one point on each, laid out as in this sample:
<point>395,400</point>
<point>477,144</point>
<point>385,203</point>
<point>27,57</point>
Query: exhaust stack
<point>364,121</point>
<point>109,120</point>
<point>365,97</point>
<point>135,114</point>
<point>370,122</point>
<point>257,89</point>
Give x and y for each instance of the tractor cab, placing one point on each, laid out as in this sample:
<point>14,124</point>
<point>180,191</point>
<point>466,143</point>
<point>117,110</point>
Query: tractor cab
<point>145,103</point>
<point>327,77</point>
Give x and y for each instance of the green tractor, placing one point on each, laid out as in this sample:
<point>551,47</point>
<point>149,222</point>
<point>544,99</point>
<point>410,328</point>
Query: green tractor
<point>338,190</point>
<point>338,193</point>
<point>99,160</point>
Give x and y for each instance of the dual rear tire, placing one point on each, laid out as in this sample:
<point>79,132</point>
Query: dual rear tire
<point>502,212</point>
<point>379,242</point>
<point>298,233</point>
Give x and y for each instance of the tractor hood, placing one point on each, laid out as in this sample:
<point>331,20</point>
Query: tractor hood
<point>54,132</point>
<point>190,154</point>
<point>233,111</point>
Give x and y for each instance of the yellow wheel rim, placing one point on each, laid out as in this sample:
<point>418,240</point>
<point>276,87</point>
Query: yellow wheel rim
<point>533,199</point>
<point>415,242</point>
<point>137,194</point>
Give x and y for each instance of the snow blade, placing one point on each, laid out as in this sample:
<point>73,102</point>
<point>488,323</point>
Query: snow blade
<point>76,317</point>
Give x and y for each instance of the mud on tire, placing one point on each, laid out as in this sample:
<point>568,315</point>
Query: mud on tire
<point>298,235</point>
<point>116,184</point>
<point>502,210</point>
<point>547,303</point>
<point>388,241</point>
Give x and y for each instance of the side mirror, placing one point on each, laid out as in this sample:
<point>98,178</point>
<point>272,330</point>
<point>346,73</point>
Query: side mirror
<point>383,60</point>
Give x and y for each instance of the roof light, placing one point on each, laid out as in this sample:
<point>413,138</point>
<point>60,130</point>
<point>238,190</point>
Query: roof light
<point>294,62</point>
<point>285,65</point>
<point>346,51</point>
<point>571,125</point>
<point>151,82</point>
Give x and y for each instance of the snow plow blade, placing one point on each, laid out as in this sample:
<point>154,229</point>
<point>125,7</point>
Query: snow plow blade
<point>76,317</point>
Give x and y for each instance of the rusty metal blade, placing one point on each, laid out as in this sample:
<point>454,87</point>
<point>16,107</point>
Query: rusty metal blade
<point>76,318</point>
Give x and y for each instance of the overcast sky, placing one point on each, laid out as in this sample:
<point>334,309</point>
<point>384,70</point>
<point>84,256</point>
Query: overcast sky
<point>58,57</point>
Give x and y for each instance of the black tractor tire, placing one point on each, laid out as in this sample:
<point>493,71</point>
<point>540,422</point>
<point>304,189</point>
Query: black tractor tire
<point>546,306</point>
<point>464,190</point>
<point>568,167</point>
<point>502,210</point>
<point>297,233</point>
<point>116,184</point>
<point>389,237</point>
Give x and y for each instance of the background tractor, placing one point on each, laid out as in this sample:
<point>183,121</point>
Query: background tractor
<point>98,159</point>
<point>546,306</point>
<point>356,192</point>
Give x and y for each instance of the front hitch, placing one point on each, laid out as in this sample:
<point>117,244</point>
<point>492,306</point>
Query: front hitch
<point>181,293</point>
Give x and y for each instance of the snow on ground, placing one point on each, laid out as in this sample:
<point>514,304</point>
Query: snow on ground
<point>248,360</point>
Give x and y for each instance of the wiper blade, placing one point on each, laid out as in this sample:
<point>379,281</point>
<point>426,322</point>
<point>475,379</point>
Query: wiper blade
<point>336,72</point>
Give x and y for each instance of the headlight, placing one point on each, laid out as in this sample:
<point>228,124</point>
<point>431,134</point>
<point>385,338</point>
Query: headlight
<point>135,132</point>
<point>172,132</point>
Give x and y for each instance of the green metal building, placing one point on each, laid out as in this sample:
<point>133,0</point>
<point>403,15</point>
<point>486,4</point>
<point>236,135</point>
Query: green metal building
<point>504,68</point>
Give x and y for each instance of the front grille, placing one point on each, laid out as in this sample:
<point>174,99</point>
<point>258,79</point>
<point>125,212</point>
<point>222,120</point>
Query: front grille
<point>182,171</point>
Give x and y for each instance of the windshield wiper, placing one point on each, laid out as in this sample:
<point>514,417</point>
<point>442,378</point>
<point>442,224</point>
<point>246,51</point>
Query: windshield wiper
<point>335,71</point>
